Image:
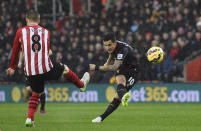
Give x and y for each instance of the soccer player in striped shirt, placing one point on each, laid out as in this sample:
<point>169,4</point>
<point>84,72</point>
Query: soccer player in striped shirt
<point>35,43</point>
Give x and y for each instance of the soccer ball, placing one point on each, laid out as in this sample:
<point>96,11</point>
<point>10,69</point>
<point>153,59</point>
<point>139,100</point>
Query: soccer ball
<point>155,54</point>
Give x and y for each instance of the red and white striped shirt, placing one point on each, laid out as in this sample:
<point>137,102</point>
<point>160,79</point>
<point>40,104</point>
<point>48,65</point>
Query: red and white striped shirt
<point>35,44</point>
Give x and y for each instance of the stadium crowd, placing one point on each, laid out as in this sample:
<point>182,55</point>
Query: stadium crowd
<point>174,25</point>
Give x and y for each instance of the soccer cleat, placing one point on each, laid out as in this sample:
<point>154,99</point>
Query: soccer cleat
<point>85,80</point>
<point>42,112</point>
<point>29,123</point>
<point>125,98</point>
<point>97,120</point>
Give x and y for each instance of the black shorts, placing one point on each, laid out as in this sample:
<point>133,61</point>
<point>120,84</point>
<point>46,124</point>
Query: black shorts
<point>130,72</point>
<point>37,81</point>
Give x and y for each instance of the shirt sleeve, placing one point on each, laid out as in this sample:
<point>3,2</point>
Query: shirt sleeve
<point>15,50</point>
<point>122,54</point>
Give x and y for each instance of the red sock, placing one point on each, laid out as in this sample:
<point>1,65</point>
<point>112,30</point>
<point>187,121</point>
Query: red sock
<point>33,105</point>
<point>72,77</point>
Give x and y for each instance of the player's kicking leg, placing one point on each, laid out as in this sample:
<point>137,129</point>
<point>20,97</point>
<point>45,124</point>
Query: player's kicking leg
<point>72,77</point>
<point>112,107</point>
<point>121,97</point>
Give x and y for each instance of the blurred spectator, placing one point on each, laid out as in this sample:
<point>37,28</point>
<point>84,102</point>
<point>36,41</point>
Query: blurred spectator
<point>174,50</point>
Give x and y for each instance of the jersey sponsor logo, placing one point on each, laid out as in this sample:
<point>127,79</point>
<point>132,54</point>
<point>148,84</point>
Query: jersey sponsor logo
<point>119,56</point>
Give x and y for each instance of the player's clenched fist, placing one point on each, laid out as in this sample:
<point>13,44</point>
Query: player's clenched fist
<point>10,71</point>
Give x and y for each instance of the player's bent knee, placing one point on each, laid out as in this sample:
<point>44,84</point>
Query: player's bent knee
<point>66,70</point>
<point>121,80</point>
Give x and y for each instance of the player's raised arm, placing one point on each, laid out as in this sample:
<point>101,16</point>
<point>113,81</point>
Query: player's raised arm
<point>106,68</point>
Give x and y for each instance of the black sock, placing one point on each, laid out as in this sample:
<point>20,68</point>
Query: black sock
<point>113,105</point>
<point>121,90</point>
<point>42,101</point>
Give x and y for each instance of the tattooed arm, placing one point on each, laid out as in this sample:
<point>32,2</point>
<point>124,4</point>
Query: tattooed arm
<point>113,67</point>
<point>107,68</point>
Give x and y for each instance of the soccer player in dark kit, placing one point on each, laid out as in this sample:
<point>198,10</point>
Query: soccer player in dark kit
<point>126,68</point>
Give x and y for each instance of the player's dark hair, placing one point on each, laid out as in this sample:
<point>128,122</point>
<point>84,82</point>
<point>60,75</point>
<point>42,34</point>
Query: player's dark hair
<point>109,36</point>
<point>33,15</point>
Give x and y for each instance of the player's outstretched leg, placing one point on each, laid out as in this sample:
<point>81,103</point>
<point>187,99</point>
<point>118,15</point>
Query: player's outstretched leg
<point>42,102</point>
<point>72,77</point>
<point>33,105</point>
<point>113,106</point>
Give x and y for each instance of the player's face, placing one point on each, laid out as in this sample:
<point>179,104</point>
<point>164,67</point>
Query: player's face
<point>109,46</point>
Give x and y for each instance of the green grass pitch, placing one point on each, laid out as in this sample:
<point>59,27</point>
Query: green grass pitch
<point>78,116</point>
